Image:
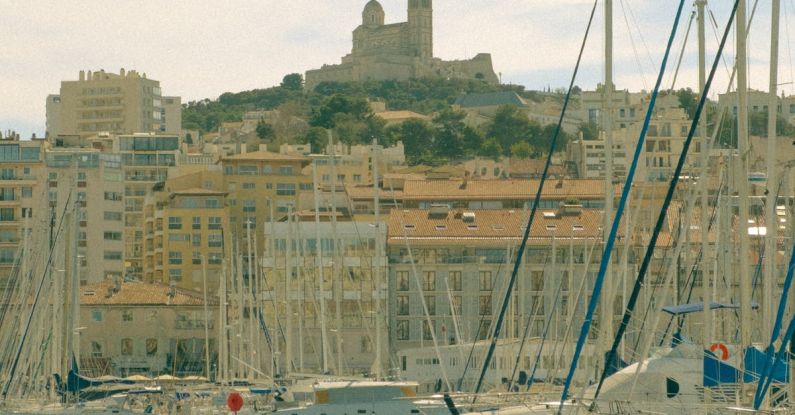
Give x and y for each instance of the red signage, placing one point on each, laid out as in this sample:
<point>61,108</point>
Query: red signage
<point>234,401</point>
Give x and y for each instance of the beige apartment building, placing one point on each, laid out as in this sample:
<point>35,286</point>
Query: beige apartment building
<point>94,181</point>
<point>146,159</point>
<point>120,103</point>
<point>22,196</point>
<point>141,328</point>
<point>353,270</point>
<point>184,238</point>
<point>456,263</point>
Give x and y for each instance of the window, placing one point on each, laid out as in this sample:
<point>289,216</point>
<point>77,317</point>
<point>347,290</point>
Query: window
<point>249,186</point>
<point>457,306</point>
<point>249,206</point>
<point>179,237</point>
<point>212,204</point>
<point>430,302</point>
<point>112,255</point>
<point>115,196</point>
<point>215,258</point>
<point>126,347</point>
<point>214,222</point>
<point>7,255</point>
<point>197,258</point>
<point>175,274</point>
<point>96,349</point>
<point>427,330</point>
<point>429,281</point>
<point>27,192</point>
<point>174,222</point>
<point>286,170</point>
<point>402,305</point>
<point>537,280</point>
<point>357,178</point>
<point>403,330</point>
<point>285,189</point>
<point>111,236</point>
<point>247,170</point>
<point>7,214</point>
<point>197,222</point>
<point>114,216</point>
<point>196,240</point>
<point>402,278</point>
<point>485,281</point>
<point>537,304</point>
<point>485,305</point>
<point>96,315</point>
<point>126,315</point>
<point>151,347</point>
<point>175,257</point>
<point>455,280</point>
<point>215,241</point>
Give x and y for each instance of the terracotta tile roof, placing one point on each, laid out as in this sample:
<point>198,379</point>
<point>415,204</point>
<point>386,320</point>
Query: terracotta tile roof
<point>266,156</point>
<point>489,227</point>
<point>139,294</point>
<point>441,190</point>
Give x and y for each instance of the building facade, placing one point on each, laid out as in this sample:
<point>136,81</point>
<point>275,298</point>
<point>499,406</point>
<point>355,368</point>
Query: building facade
<point>123,103</point>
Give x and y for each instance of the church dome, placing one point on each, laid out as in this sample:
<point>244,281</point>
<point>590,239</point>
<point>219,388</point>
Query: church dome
<point>373,14</point>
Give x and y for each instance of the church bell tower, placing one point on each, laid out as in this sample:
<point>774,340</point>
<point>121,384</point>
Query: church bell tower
<point>421,28</point>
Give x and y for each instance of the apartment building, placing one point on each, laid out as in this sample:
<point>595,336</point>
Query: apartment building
<point>589,158</point>
<point>261,185</point>
<point>142,328</point>
<point>21,196</point>
<point>146,159</point>
<point>353,271</point>
<point>184,238</point>
<point>123,103</point>
<point>455,263</point>
<point>93,181</point>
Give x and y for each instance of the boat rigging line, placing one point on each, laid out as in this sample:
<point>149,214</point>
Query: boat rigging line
<point>667,201</point>
<point>508,292</point>
<point>619,212</point>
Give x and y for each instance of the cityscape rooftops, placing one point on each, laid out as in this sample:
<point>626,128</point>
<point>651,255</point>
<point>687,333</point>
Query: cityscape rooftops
<point>442,190</point>
<point>134,293</point>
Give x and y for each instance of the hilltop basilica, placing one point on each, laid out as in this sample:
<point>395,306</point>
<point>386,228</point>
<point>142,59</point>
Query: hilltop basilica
<point>399,51</point>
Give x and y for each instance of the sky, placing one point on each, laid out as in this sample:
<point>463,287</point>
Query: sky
<point>202,48</point>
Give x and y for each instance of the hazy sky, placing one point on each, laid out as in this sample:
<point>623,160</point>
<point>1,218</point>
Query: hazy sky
<point>201,48</point>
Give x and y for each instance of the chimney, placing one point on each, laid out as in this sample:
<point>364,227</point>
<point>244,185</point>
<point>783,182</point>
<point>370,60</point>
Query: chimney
<point>82,75</point>
<point>121,72</point>
<point>89,75</point>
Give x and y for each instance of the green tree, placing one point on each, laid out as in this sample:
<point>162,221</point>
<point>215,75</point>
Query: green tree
<point>293,82</point>
<point>316,137</point>
<point>323,116</point>
<point>589,131</point>
<point>510,126</point>
<point>416,135</point>
<point>522,150</point>
<point>688,100</point>
<point>448,143</point>
<point>264,130</point>
<point>491,149</point>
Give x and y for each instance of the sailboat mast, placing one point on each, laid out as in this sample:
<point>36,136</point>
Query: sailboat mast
<point>336,270</point>
<point>321,279</point>
<point>606,325</point>
<point>771,222</point>
<point>377,261</point>
<point>742,148</point>
<point>703,160</point>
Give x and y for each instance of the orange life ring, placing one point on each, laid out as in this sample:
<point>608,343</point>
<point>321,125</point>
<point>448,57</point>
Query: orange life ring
<point>724,351</point>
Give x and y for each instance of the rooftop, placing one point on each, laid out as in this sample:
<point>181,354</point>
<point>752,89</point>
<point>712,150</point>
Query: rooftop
<point>491,227</point>
<point>442,190</point>
<point>134,293</point>
<point>265,156</point>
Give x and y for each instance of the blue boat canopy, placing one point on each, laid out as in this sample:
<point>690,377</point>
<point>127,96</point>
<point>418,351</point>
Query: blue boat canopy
<point>696,307</point>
